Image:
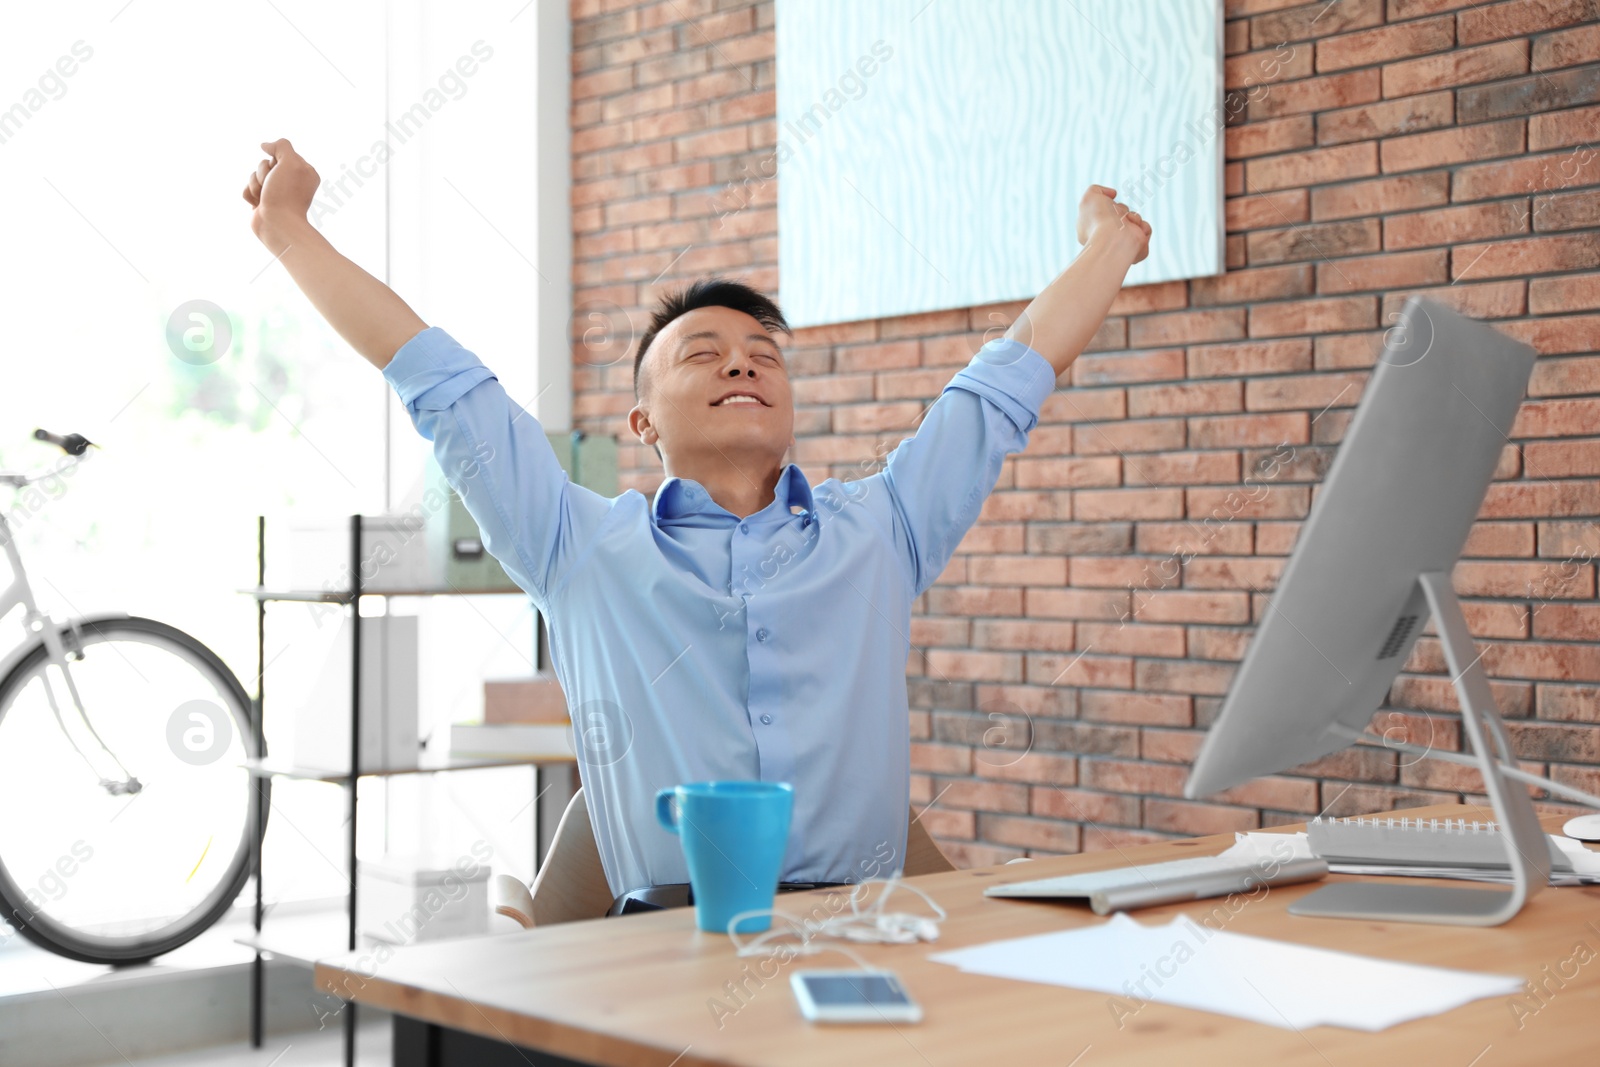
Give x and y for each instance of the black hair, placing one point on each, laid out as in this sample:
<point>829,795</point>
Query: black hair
<point>709,292</point>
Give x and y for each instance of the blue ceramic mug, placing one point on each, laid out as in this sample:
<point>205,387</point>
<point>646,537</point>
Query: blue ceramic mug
<point>734,836</point>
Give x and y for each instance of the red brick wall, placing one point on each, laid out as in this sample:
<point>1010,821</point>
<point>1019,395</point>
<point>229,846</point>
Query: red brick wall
<point>1375,149</point>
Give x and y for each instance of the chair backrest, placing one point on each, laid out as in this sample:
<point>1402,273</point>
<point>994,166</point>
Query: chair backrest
<point>571,884</point>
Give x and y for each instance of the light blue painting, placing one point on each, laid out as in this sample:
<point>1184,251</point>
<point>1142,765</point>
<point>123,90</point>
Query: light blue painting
<point>931,153</point>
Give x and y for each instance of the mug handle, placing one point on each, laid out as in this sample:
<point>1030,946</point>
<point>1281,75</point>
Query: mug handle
<point>666,809</point>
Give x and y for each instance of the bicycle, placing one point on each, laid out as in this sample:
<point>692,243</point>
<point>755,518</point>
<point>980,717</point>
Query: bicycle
<point>128,808</point>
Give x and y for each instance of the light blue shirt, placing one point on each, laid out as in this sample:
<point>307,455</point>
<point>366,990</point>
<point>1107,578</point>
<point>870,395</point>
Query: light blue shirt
<point>695,645</point>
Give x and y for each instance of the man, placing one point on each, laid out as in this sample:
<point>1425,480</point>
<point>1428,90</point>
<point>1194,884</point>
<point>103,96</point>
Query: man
<point>741,624</point>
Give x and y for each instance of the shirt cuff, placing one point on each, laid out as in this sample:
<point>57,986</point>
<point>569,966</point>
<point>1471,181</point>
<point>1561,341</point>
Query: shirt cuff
<point>433,370</point>
<point>1012,376</point>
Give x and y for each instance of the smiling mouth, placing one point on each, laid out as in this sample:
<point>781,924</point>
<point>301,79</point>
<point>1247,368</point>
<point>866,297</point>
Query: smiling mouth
<point>740,401</point>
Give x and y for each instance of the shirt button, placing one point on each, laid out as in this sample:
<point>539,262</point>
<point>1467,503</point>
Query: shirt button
<point>761,635</point>
<point>766,720</point>
<point>743,528</point>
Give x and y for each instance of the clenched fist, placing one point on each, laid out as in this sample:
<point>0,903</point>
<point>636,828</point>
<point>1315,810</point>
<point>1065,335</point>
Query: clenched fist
<point>1099,212</point>
<point>281,188</point>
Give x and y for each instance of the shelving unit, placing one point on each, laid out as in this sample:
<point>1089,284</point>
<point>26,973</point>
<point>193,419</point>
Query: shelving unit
<point>308,938</point>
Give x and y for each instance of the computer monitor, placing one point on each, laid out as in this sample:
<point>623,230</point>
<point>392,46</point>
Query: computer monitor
<point>1372,563</point>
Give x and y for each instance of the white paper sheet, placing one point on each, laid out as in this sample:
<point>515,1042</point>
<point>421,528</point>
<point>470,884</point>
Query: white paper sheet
<point>1274,982</point>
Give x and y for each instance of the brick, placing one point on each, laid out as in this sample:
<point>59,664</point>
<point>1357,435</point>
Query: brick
<point>1079,538</point>
<point>1162,364</point>
<point>1530,174</point>
<point>1143,299</point>
<point>1262,357</point>
<point>1579,540</point>
<point>1252,69</point>
<point>1459,144</point>
<point>1192,607</point>
<point>1530,255</point>
<point>1122,639</point>
<point>1190,817</point>
<point>1270,137</point>
<point>1185,327</point>
<point>1406,115</point>
<point>897,416</point>
<point>1180,539</point>
<point>1315,167</point>
<point>1570,211</point>
<point>1182,676</point>
<point>1041,834</point>
<point>1561,129</point>
<point>1384,273</point>
<point>1042,767</point>
<point>1521,580</point>
<point>1463,66</point>
<point>1023,636</point>
<point>1499,539</point>
<point>1517,18</point>
<point>1076,604</point>
<point>1252,502</point>
<point>1541,499</point>
<point>1318,94</point>
<point>1574,292</point>
<point>1257,575</point>
<point>1315,241</point>
<point>1380,196</point>
<point>1017,570</point>
<point>1083,405</point>
<point>1189,398</point>
<point>1092,505</point>
<point>1485,300</point>
<point>1078,670</point>
<point>1554,336</point>
<point>1184,468</point>
<point>984,795</point>
<point>1144,709</point>
<point>1565,377</point>
<point>1282,794</point>
<point>1085,806</point>
<point>875,357</point>
<point>1125,776</point>
<point>1120,572</point>
<point>1235,431</point>
<point>1208,642</point>
<point>972,600</point>
<point>1308,21</point>
<point>975,666</point>
<point>1055,472</point>
<point>1314,316</point>
<point>1577,743</point>
<point>1169,746</point>
<point>1562,459</point>
<point>1569,703</point>
<point>1275,538</point>
<point>1396,41</point>
<point>1151,435</point>
<point>1280,208</point>
<point>1248,286</point>
<point>1530,95</point>
<point>1452,225</point>
<point>941,759</point>
<point>1568,622</point>
<point>1566,48</point>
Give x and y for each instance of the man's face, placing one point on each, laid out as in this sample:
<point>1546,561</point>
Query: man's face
<point>693,366</point>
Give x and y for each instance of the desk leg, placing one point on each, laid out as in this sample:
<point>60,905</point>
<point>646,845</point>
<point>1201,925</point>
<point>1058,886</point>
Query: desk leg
<point>424,1044</point>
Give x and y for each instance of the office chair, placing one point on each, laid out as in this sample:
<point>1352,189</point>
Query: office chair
<point>571,884</point>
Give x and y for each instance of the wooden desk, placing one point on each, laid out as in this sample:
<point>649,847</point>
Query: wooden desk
<point>640,990</point>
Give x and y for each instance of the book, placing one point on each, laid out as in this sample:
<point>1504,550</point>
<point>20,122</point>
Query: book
<point>524,700</point>
<point>511,739</point>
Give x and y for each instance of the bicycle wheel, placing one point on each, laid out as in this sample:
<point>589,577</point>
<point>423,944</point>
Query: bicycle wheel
<point>122,879</point>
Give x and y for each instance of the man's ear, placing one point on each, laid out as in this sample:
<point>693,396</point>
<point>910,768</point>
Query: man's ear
<point>639,425</point>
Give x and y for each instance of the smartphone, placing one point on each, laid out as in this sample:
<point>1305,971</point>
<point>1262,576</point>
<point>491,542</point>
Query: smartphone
<point>853,996</point>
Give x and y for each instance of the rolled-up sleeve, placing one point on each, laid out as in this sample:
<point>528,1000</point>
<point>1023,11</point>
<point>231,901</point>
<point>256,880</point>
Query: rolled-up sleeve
<point>939,478</point>
<point>496,456</point>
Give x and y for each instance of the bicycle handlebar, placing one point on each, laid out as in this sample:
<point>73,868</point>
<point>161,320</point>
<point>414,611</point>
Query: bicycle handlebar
<point>73,444</point>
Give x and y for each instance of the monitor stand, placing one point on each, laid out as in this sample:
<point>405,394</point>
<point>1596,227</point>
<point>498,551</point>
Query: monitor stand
<point>1527,848</point>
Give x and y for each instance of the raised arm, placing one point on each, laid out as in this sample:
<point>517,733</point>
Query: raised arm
<point>371,318</point>
<point>1060,321</point>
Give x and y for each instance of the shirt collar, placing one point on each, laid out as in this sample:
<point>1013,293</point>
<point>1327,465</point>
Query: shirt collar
<point>679,499</point>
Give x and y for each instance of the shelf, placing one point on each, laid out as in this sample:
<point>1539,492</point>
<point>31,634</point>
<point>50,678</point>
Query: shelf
<point>343,596</point>
<point>307,938</point>
<point>427,764</point>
